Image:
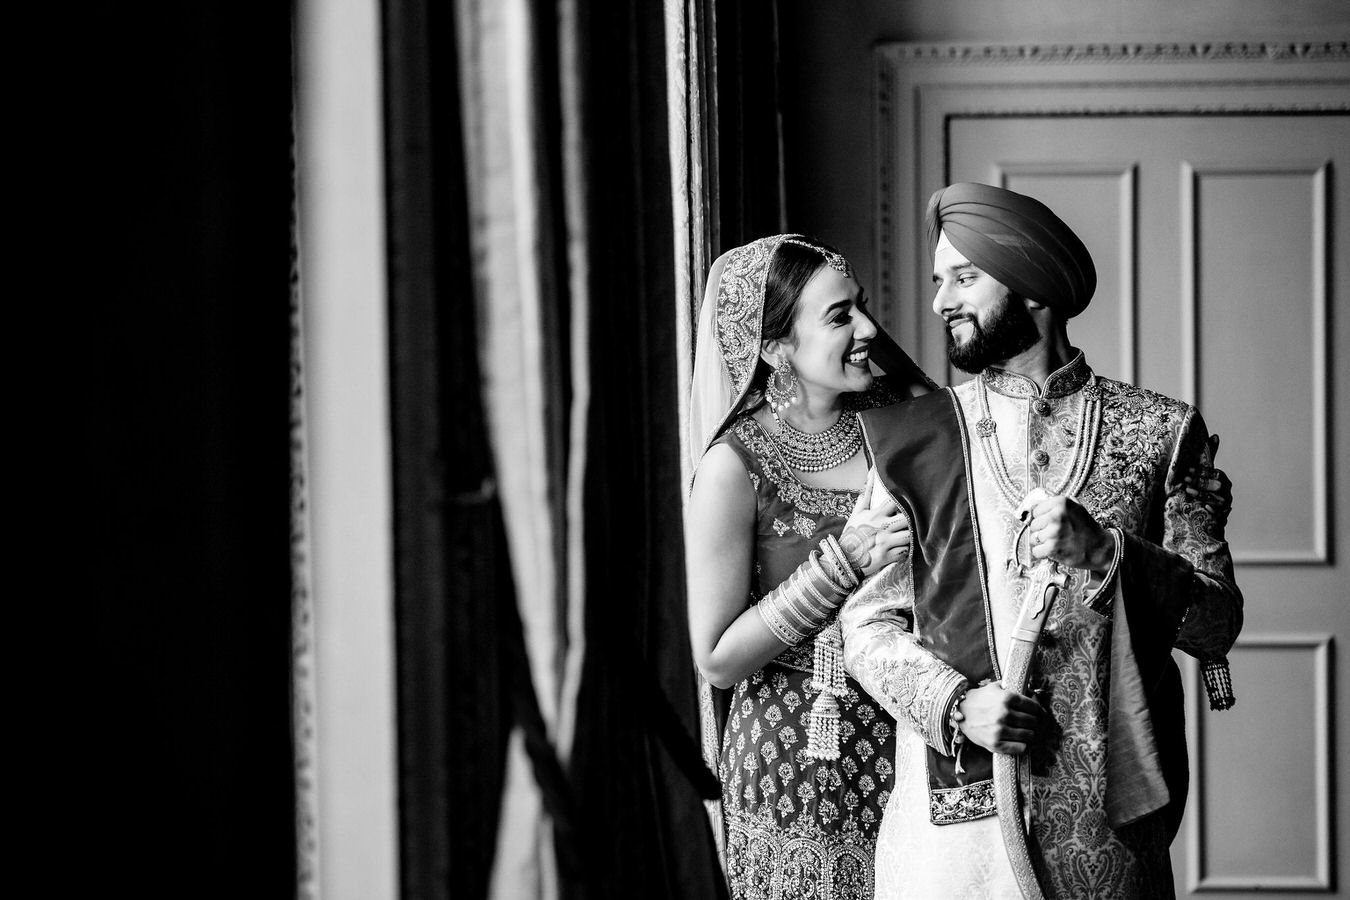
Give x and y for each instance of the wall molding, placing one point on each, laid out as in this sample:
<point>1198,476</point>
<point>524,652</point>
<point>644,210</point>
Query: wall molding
<point>1321,880</point>
<point>1126,176</point>
<point>1318,175</point>
<point>921,88</point>
<point>1087,53</point>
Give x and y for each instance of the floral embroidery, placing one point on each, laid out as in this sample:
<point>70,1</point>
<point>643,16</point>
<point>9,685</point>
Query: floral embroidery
<point>1067,379</point>
<point>883,655</point>
<point>781,527</point>
<point>771,790</point>
<point>946,806</point>
<point>821,501</point>
<point>803,860</point>
<point>740,304</point>
<point>803,526</point>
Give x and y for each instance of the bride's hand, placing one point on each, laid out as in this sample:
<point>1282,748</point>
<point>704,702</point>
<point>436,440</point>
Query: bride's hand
<point>874,537</point>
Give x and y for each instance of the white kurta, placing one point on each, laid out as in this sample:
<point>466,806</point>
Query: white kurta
<point>965,859</point>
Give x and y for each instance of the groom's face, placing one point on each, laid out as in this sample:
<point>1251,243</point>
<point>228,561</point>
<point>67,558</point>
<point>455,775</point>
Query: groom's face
<point>986,323</point>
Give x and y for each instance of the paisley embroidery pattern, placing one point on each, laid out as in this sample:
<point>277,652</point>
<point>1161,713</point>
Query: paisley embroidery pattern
<point>905,678</point>
<point>765,862</point>
<point>1084,857</point>
<point>740,308</point>
<point>1137,422</point>
<point>803,526</point>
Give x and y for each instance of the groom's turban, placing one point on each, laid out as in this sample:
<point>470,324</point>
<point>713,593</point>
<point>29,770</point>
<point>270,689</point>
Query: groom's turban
<point>1017,240</point>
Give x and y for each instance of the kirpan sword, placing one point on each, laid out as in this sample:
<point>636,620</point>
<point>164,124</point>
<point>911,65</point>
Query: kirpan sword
<point>1014,809</point>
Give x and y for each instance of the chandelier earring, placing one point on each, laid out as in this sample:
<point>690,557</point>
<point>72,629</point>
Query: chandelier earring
<point>781,390</point>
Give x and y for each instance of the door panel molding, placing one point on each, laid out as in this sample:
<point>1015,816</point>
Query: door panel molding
<point>1126,176</point>
<point>1317,736</point>
<point>922,88</point>
<point>1317,175</point>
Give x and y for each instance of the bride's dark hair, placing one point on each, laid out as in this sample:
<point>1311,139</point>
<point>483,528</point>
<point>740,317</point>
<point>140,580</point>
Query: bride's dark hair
<point>790,269</point>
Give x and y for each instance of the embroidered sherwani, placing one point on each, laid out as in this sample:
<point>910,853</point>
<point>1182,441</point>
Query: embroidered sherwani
<point>1108,769</point>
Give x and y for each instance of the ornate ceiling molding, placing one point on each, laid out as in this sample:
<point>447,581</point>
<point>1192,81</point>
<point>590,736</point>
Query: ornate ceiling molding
<point>1201,51</point>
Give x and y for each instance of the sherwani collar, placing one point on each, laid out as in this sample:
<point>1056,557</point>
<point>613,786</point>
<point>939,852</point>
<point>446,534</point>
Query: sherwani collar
<point>1067,379</point>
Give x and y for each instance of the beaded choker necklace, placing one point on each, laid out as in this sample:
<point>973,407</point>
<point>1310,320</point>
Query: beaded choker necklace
<point>807,452</point>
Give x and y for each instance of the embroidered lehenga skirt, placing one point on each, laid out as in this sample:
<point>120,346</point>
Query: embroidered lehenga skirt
<point>799,827</point>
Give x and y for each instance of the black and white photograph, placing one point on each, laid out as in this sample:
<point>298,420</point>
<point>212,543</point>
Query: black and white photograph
<point>728,449</point>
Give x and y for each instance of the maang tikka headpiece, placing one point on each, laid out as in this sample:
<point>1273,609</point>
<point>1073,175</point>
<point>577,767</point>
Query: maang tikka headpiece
<point>834,260</point>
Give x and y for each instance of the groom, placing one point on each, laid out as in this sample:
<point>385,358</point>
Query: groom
<point>1036,459</point>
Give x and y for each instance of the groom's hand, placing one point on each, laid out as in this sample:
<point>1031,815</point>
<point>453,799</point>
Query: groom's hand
<point>998,720</point>
<point>1063,530</point>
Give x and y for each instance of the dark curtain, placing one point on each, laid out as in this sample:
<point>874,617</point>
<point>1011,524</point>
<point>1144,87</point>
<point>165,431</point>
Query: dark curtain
<point>636,765</point>
<point>750,202</point>
<point>453,588</point>
<point>628,814</point>
<point>627,819</point>
<point>173,305</point>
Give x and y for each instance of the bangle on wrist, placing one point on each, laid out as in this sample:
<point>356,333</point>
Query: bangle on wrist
<point>803,603</point>
<point>954,719</point>
<point>831,551</point>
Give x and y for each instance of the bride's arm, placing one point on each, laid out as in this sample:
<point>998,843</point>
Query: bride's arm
<point>728,637</point>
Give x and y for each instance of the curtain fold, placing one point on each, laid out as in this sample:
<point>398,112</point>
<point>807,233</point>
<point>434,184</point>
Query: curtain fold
<point>566,247</point>
<point>634,764</point>
<point>726,155</point>
<point>528,386</point>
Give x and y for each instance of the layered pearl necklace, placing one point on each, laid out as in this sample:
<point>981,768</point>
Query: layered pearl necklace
<point>808,452</point>
<point>1084,447</point>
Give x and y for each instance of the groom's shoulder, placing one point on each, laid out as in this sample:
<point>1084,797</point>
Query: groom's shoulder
<point>1125,396</point>
<point>910,423</point>
<point>908,409</point>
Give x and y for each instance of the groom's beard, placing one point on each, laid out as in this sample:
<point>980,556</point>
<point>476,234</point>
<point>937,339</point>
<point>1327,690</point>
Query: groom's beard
<point>1007,331</point>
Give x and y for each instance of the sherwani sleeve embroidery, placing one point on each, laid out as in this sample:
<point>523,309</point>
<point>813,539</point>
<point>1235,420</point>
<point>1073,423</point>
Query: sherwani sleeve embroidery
<point>1214,615</point>
<point>884,655</point>
<point>1191,572</point>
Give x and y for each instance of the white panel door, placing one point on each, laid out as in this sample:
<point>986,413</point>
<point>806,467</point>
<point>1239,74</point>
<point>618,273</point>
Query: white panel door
<point>1222,244</point>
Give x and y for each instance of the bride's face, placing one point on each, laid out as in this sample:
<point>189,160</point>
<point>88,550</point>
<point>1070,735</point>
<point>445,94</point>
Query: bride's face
<point>830,336</point>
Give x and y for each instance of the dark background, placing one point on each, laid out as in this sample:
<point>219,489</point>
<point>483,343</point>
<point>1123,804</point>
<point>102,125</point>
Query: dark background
<point>172,127</point>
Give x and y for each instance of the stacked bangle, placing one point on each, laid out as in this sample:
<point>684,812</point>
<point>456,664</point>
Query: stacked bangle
<point>831,550</point>
<point>801,605</point>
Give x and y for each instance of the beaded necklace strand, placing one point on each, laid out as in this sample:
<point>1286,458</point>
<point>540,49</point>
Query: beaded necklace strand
<point>1084,448</point>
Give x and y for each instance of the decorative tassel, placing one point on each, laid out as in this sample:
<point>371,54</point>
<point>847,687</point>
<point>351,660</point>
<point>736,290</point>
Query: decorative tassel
<point>1218,683</point>
<point>823,731</point>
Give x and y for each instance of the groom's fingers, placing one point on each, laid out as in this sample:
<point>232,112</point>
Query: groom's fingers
<point>1031,501</point>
